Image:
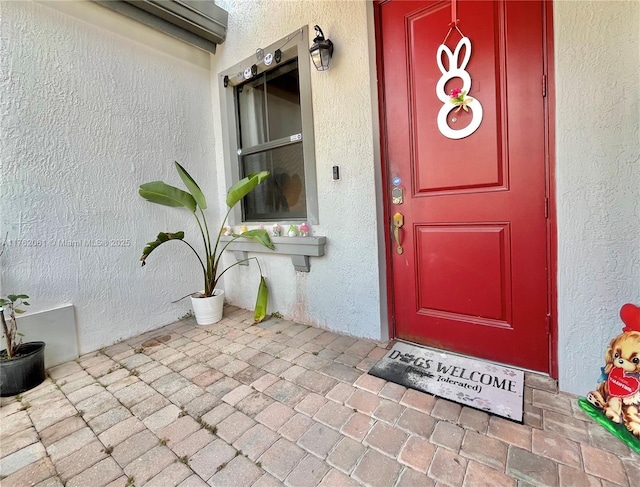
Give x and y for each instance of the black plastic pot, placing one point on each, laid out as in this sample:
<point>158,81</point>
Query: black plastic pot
<point>23,372</point>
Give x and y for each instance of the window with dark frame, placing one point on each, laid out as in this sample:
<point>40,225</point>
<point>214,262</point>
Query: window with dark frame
<point>269,137</point>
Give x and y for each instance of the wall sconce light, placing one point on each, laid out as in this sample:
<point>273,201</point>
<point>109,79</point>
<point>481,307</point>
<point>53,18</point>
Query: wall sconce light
<point>321,50</point>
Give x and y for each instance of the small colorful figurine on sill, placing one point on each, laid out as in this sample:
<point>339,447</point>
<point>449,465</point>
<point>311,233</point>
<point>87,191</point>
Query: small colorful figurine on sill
<point>304,230</point>
<point>244,229</point>
<point>293,231</point>
<point>276,230</point>
<point>615,404</point>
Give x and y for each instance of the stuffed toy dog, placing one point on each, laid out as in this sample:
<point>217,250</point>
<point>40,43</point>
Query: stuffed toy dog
<point>618,395</point>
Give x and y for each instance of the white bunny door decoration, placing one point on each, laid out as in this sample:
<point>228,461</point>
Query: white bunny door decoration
<point>458,98</point>
<point>456,68</point>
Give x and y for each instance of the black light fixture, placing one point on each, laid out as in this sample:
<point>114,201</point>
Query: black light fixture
<point>321,50</point>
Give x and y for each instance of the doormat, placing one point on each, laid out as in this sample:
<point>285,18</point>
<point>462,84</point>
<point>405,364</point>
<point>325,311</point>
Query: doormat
<point>490,387</point>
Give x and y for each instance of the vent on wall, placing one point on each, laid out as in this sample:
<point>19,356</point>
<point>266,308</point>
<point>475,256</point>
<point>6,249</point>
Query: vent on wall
<point>199,22</point>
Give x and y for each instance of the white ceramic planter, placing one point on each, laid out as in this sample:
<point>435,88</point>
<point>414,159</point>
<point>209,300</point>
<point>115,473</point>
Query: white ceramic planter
<point>208,310</point>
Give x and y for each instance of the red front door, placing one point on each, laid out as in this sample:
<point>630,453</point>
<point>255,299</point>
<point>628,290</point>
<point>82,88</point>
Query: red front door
<point>472,275</point>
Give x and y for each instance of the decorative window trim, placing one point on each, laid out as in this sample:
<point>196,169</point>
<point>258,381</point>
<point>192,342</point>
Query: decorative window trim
<point>295,45</point>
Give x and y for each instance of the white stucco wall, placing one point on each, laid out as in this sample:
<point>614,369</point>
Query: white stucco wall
<point>597,53</point>
<point>93,105</point>
<point>342,291</point>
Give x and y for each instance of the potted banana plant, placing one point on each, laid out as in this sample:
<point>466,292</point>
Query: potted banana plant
<point>208,303</point>
<point>21,364</point>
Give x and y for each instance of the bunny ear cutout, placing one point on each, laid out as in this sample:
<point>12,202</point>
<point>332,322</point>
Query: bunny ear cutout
<point>630,315</point>
<point>453,58</point>
<point>466,43</point>
<point>442,49</point>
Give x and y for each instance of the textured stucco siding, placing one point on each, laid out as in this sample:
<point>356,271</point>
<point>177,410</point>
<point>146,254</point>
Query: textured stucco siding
<point>88,115</point>
<point>597,67</point>
<point>342,291</point>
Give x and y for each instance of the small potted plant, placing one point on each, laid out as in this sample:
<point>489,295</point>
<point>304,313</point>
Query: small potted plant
<point>208,304</point>
<point>21,364</point>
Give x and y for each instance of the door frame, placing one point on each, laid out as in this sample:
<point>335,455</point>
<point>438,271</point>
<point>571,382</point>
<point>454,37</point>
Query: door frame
<point>550,183</point>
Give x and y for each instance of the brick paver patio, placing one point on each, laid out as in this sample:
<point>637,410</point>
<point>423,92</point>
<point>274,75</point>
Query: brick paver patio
<point>234,404</point>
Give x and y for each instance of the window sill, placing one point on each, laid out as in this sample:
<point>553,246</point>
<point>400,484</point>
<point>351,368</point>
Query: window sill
<point>299,248</point>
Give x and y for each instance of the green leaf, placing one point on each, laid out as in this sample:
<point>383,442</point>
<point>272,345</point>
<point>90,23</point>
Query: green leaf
<point>261,301</point>
<point>192,186</point>
<point>22,296</point>
<point>243,187</point>
<point>4,302</point>
<point>259,236</point>
<point>25,303</point>
<point>162,238</point>
<point>13,298</point>
<point>163,194</point>
<point>19,311</point>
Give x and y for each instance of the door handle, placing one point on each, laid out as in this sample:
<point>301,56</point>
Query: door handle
<point>398,221</point>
